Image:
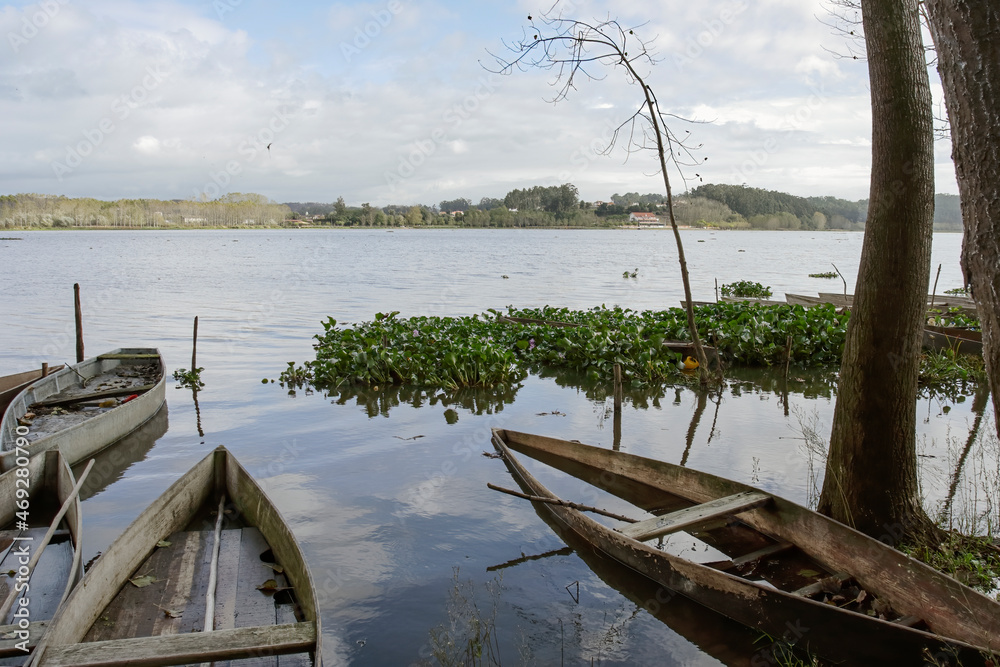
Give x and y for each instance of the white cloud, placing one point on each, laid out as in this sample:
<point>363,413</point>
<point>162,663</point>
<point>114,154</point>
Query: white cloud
<point>345,122</point>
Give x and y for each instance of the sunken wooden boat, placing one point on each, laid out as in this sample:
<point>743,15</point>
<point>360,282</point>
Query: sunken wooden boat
<point>51,490</point>
<point>953,339</point>
<point>783,566</point>
<point>209,571</point>
<point>86,407</point>
<point>12,385</point>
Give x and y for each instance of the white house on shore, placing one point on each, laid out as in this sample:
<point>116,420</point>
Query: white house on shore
<point>645,219</point>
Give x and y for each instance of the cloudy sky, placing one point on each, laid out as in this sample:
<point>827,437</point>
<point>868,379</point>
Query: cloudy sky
<point>392,101</point>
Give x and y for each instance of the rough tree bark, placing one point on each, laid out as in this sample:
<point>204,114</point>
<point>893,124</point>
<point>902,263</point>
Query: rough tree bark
<point>967,38</point>
<point>871,473</point>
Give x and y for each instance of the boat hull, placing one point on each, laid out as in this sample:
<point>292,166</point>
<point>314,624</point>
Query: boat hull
<point>819,627</point>
<point>81,440</point>
<point>217,473</point>
<point>49,481</point>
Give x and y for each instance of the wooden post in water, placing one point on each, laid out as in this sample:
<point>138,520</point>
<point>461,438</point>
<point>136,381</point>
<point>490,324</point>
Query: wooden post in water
<point>79,322</point>
<point>618,408</point>
<point>934,291</point>
<point>717,290</point>
<point>194,346</point>
<point>45,368</point>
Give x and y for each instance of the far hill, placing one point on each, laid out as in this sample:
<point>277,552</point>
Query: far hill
<point>775,210</point>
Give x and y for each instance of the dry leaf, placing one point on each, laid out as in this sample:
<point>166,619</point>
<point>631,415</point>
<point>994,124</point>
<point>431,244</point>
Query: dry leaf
<point>274,566</point>
<point>861,597</point>
<point>143,581</point>
<point>169,613</point>
<point>268,586</point>
<point>164,543</point>
<point>808,573</point>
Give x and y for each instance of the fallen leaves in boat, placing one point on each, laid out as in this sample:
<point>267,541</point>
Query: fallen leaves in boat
<point>143,581</point>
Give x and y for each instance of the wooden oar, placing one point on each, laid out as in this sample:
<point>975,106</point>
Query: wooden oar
<point>12,595</point>
<point>213,573</point>
<point>564,503</point>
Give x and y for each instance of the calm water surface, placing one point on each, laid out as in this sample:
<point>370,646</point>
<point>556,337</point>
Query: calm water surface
<point>401,533</point>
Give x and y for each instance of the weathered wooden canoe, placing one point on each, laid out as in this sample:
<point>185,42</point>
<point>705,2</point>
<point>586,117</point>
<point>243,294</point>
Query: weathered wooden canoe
<point>804,300</point>
<point>84,408</point>
<point>50,485</point>
<point>182,586</point>
<point>12,385</point>
<point>953,339</point>
<point>783,564</point>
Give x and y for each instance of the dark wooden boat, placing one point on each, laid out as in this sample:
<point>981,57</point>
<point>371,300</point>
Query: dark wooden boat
<point>51,490</point>
<point>12,385</point>
<point>783,566</point>
<point>86,407</point>
<point>182,586</point>
<point>953,339</point>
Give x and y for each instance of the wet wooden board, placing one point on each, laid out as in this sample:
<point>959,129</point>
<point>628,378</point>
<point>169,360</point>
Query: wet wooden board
<point>695,516</point>
<point>48,580</point>
<point>181,572</point>
<point>286,614</point>
<point>188,648</point>
<point>254,608</point>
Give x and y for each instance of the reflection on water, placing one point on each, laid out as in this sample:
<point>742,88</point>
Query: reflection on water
<point>384,517</point>
<point>111,463</point>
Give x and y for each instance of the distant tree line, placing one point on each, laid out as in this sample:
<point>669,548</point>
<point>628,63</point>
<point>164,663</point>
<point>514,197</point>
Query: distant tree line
<point>712,205</point>
<point>47,211</point>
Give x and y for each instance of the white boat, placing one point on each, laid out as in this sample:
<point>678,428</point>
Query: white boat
<point>86,407</point>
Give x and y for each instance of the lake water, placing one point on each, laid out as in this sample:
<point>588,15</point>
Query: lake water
<point>400,531</point>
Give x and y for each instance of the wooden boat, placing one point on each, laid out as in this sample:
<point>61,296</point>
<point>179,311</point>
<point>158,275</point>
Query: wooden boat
<point>782,567</point>
<point>51,487</point>
<point>804,300</point>
<point>12,385</point>
<point>182,586</point>
<point>86,407</point>
<point>953,339</point>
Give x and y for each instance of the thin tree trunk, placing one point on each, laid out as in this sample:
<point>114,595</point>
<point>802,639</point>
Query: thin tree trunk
<point>871,474</point>
<point>966,35</point>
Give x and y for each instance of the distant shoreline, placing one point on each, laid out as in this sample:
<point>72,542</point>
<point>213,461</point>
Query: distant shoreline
<point>309,228</point>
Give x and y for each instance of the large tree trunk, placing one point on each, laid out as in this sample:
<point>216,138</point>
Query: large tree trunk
<point>871,473</point>
<point>967,38</point>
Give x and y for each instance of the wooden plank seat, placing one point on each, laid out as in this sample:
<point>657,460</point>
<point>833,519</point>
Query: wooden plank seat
<point>187,648</point>
<point>9,638</point>
<point>698,515</point>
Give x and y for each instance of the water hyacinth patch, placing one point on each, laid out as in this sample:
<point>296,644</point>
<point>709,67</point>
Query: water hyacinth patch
<point>491,349</point>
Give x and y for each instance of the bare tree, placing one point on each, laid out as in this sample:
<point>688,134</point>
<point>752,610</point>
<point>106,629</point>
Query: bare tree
<point>871,473</point>
<point>571,48</point>
<point>966,33</point>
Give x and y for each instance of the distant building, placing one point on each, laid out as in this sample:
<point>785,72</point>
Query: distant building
<point>647,219</point>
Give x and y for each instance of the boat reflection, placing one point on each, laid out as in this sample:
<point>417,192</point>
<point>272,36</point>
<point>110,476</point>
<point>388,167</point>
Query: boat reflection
<point>112,462</point>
